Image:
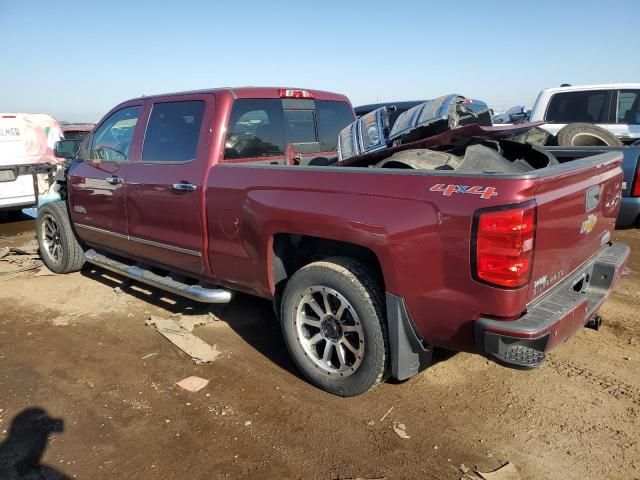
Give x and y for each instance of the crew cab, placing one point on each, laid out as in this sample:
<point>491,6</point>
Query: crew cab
<point>484,245</point>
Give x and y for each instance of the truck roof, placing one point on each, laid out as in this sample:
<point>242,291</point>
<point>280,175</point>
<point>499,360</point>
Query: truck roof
<point>80,127</point>
<point>597,86</point>
<point>253,92</point>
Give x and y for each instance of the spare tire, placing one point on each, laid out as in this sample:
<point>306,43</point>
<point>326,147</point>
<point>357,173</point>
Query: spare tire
<point>421,159</point>
<point>586,135</point>
<point>534,136</point>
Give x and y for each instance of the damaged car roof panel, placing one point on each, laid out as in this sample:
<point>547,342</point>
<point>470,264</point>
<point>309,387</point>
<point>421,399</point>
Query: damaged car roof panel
<point>372,131</point>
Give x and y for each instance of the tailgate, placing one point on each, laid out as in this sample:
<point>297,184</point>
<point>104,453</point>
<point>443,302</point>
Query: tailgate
<point>578,204</point>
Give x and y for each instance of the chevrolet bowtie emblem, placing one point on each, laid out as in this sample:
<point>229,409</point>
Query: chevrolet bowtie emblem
<point>588,224</point>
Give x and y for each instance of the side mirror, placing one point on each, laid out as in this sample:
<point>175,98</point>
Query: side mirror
<point>66,148</point>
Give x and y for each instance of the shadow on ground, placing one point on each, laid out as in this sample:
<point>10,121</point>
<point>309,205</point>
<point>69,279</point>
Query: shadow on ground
<point>14,223</point>
<point>252,318</point>
<point>22,451</point>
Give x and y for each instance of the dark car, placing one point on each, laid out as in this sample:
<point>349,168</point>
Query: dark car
<point>401,107</point>
<point>76,131</point>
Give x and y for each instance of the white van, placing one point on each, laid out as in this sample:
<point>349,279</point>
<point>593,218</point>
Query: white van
<point>26,157</point>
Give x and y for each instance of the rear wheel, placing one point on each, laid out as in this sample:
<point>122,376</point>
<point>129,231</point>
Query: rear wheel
<point>333,324</point>
<point>59,248</point>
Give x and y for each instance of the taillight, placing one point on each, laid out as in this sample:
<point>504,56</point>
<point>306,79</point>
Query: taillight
<point>293,93</point>
<point>502,247</point>
<point>635,188</point>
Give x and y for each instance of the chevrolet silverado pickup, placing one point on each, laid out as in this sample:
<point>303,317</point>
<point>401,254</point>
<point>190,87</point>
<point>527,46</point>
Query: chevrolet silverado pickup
<point>373,252</point>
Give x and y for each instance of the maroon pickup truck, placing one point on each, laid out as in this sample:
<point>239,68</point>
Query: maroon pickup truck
<point>209,192</point>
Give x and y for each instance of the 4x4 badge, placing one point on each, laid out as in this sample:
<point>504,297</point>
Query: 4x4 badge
<point>448,190</point>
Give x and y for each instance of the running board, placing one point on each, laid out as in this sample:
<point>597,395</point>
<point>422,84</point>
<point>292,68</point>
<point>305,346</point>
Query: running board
<point>192,292</point>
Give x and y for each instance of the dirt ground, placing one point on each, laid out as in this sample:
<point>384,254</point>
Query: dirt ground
<point>77,346</point>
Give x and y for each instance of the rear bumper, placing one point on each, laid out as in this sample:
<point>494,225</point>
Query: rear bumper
<point>18,193</point>
<point>22,184</point>
<point>555,316</point>
<point>629,215</point>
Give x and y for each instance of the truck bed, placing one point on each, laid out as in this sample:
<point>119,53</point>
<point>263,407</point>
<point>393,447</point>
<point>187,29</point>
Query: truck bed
<point>420,235</point>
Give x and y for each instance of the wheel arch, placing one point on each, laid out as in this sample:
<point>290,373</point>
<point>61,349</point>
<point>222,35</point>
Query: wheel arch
<point>409,352</point>
<point>289,252</point>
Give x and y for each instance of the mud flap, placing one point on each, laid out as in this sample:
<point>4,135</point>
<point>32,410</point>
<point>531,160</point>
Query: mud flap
<point>409,354</point>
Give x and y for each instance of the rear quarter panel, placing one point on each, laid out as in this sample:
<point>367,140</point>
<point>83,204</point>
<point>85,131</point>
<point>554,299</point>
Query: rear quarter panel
<point>420,237</point>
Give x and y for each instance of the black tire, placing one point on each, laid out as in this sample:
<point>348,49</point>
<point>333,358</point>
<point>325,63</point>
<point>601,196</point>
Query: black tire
<point>586,135</point>
<point>421,159</point>
<point>534,136</point>
<point>59,248</point>
<point>358,286</point>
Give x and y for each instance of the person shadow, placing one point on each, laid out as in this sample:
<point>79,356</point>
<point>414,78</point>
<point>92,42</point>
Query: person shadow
<point>21,452</point>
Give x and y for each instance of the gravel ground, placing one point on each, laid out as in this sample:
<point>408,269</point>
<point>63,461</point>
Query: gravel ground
<point>77,347</point>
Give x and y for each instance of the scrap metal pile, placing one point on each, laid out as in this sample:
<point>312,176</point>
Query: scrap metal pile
<point>448,133</point>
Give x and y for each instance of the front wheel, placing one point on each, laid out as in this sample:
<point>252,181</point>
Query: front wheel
<point>59,248</point>
<point>334,326</point>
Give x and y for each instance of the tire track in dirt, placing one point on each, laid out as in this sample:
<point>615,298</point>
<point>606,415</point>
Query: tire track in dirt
<point>605,383</point>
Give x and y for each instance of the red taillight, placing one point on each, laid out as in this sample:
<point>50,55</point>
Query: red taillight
<point>292,93</point>
<point>635,188</point>
<point>8,116</point>
<point>504,245</point>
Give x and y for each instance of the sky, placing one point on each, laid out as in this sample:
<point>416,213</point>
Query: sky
<point>78,59</point>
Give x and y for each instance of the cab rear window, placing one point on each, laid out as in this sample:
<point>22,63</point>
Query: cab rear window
<point>263,127</point>
<point>331,118</point>
<point>301,126</point>
<point>256,129</point>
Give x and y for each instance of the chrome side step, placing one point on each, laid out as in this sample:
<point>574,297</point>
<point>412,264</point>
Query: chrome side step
<point>192,292</point>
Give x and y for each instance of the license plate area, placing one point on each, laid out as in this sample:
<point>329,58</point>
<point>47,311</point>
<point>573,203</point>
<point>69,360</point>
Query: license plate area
<point>582,280</point>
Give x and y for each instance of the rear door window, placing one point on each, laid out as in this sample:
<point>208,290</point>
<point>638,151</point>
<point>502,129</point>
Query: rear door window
<point>173,131</point>
<point>585,107</point>
<point>629,107</point>
<point>111,142</point>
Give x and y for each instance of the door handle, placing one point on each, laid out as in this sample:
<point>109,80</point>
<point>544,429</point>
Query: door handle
<point>113,180</point>
<point>184,187</point>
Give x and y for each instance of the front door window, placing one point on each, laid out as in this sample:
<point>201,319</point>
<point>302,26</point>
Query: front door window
<point>112,140</point>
